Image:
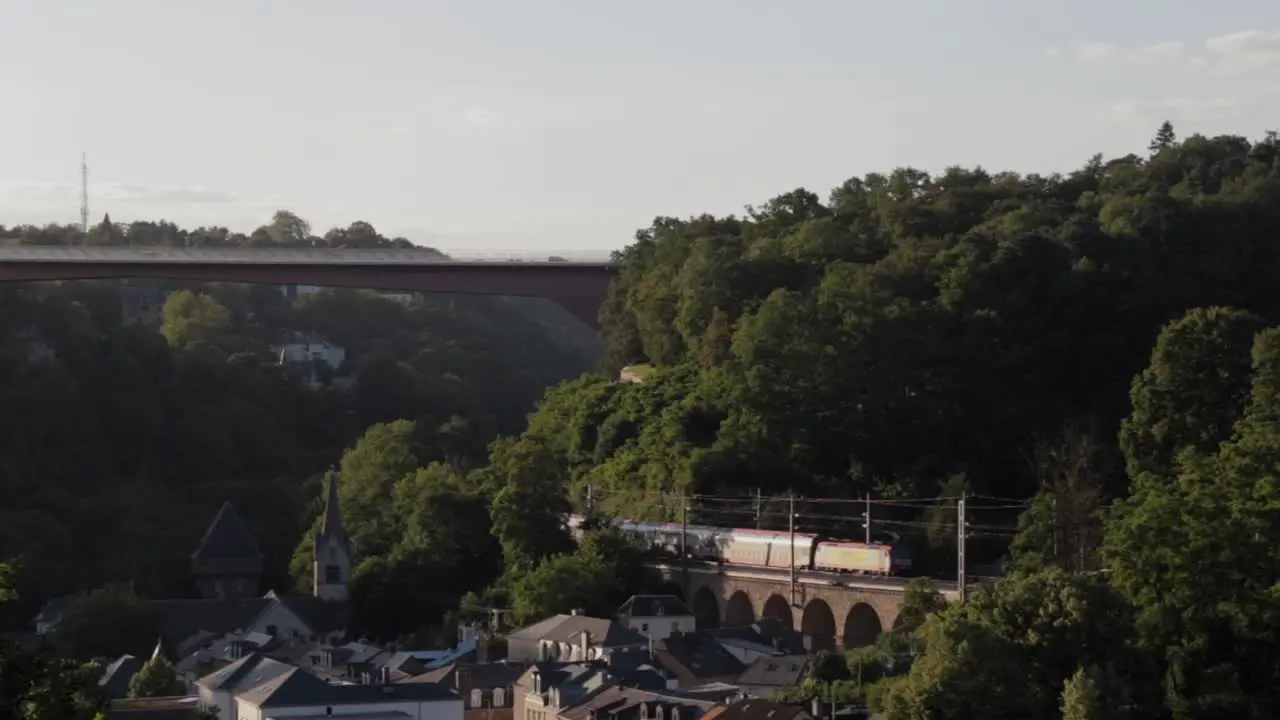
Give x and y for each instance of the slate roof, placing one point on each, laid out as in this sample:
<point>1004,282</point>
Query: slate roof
<point>766,631</point>
<point>483,676</point>
<point>785,670</point>
<point>249,671</point>
<point>702,655</point>
<point>322,616</point>
<point>297,687</point>
<point>622,703</point>
<point>569,628</point>
<point>653,606</point>
<point>115,678</point>
<point>216,617</point>
<point>757,709</point>
<point>331,522</point>
<point>228,538</point>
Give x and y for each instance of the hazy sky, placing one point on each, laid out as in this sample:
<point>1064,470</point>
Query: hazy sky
<point>567,124</point>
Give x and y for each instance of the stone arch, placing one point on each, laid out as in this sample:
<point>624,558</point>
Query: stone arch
<point>706,610</point>
<point>861,626</point>
<point>779,609</point>
<point>739,610</point>
<point>819,623</point>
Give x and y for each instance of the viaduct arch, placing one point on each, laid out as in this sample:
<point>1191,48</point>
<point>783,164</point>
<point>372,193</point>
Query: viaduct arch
<point>580,288</point>
<point>833,617</point>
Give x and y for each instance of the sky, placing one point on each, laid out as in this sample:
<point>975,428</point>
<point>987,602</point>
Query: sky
<point>565,125</point>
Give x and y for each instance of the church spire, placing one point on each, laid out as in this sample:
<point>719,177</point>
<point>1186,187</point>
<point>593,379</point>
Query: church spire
<point>332,556</point>
<point>331,523</point>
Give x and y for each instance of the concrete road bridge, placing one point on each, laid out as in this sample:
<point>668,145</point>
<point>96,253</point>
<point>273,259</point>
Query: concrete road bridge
<point>835,610</point>
<point>579,286</point>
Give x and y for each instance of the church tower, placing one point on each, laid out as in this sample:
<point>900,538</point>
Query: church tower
<point>228,563</point>
<point>332,558</point>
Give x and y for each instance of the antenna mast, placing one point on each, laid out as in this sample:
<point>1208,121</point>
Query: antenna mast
<point>84,194</point>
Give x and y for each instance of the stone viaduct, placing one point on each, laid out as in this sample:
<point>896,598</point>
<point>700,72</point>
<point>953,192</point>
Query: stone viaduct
<point>834,614</point>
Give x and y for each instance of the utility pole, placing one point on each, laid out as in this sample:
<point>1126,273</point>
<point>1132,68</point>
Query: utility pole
<point>866,522</point>
<point>589,500</point>
<point>758,503</point>
<point>84,193</point>
<point>684,550</point>
<point>962,526</point>
<point>791,525</point>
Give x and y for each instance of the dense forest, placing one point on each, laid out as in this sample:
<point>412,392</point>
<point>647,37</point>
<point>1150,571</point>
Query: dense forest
<point>1103,344</point>
<point>121,439</point>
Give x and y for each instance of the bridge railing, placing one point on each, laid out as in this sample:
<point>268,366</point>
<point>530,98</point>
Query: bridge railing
<point>247,255</point>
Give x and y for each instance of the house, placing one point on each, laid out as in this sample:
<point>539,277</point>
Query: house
<point>622,703</point>
<point>217,691</point>
<point>573,637</point>
<point>299,291</point>
<point>697,659</point>
<point>657,616</point>
<point>296,693</point>
<point>310,350</point>
<point>766,637</point>
<point>757,709</point>
<point>487,690</point>
<point>768,675</point>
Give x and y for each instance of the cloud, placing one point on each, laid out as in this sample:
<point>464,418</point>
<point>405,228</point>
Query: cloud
<point>1234,53</point>
<point>483,117</point>
<point>28,199</point>
<point>1194,111</point>
<point>1244,51</point>
<point>1162,53</point>
<point>1053,51</point>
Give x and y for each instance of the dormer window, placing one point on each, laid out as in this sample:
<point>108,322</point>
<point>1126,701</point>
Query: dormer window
<point>477,698</point>
<point>499,697</point>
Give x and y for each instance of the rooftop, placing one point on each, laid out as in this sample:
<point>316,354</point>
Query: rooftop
<point>653,606</point>
<point>569,628</point>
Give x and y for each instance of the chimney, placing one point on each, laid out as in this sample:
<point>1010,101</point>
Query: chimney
<point>586,645</point>
<point>815,708</point>
<point>462,679</point>
<point>384,675</point>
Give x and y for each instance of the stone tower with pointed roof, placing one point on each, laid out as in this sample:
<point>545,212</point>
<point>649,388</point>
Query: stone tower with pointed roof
<point>228,563</point>
<point>332,559</point>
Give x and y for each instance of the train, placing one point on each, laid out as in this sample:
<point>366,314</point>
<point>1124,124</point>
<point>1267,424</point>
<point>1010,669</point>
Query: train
<point>762,548</point>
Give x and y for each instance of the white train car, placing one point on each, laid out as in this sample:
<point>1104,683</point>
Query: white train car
<point>767,548</point>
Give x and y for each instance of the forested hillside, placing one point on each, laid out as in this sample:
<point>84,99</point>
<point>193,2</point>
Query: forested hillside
<point>119,442</point>
<point>913,329</point>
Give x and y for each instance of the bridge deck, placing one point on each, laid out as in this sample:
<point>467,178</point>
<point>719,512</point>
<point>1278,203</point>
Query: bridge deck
<point>10,254</point>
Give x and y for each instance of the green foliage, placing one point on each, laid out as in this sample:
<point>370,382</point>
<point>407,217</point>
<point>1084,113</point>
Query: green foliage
<point>99,412</point>
<point>1080,697</point>
<point>916,328</point>
<point>37,685</point>
<point>194,319</point>
<point>1193,389</point>
<point>596,578</point>
<point>108,622</point>
<point>1008,653</point>
<point>156,678</point>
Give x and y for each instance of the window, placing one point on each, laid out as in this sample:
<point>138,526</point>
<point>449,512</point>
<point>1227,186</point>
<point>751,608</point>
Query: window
<point>332,574</point>
<point>272,630</point>
<point>477,698</point>
<point>499,697</point>
<point>644,627</point>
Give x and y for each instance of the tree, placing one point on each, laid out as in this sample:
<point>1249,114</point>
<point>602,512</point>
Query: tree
<point>35,685</point>
<point>156,678</point>
<point>529,504</point>
<point>108,622</point>
<point>194,318</point>
<point>287,228</point>
<point>1080,697</point>
<point>1164,138</point>
<point>1192,391</point>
